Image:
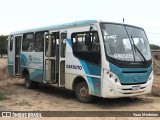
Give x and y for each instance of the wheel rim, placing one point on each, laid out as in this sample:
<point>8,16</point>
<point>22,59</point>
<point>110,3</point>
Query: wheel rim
<point>83,92</point>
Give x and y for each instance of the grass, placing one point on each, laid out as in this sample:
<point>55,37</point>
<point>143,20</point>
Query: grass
<point>24,103</point>
<point>2,97</point>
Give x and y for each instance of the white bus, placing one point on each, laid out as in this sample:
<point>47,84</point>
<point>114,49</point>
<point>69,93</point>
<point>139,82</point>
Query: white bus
<point>93,58</point>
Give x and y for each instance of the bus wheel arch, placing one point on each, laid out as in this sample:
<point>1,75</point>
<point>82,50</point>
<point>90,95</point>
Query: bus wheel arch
<point>24,73</point>
<point>80,86</point>
<point>27,82</point>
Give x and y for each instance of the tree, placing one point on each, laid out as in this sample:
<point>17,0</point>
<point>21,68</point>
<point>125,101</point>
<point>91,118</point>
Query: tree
<point>3,45</point>
<point>154,47</point>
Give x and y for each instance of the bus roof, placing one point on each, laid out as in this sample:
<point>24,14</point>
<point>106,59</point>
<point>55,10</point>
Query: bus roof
<point>56,27</point>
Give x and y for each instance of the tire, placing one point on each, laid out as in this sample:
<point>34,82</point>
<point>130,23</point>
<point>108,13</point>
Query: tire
<point>82,93</point>
<point>30,84</point>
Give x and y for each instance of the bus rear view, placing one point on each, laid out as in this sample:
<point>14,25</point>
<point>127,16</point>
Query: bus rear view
<point>128,70</point>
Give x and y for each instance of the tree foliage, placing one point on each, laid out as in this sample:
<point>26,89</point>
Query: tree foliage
<point>3,45</point>
<point>154,47</point>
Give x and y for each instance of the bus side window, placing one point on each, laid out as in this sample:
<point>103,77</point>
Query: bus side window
<point>63,44</point>
<point>28,42</point>
<point>86,47</point>
<point>39,42</point>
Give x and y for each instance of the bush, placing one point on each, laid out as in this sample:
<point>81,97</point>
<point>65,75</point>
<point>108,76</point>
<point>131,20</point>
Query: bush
<point>157,57</point>
<point>2,97</point>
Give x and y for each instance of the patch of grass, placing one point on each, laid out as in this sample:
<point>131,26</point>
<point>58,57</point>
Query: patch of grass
<point>24,103</point>
<point>2,97</point>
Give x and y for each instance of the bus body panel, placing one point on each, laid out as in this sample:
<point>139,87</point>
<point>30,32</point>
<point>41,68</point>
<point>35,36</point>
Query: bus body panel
<point>34,64</point>
<point>78,67</point>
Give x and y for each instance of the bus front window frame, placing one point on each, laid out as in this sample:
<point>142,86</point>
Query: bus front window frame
<point>130,55</point>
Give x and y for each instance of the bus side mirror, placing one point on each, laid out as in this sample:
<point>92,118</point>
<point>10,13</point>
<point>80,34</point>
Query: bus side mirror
<point>91,28</point>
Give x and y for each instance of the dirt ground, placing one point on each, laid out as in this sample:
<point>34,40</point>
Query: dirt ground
<point>49,98</point>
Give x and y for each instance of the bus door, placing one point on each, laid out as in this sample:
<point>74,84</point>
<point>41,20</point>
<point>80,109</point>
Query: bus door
<point>62,49</point>
<point>54,58</point>
<point>18,40</point>
<point>51,74</point>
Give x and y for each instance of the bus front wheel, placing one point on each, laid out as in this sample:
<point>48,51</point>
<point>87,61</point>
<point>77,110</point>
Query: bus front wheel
<point>30,84</point>
<point>82,93</point>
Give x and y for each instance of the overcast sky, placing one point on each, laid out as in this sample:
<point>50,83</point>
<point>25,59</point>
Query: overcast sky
<point>24,14</point>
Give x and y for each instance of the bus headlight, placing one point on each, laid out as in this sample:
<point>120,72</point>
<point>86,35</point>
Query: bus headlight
<point>151,76</point>
<point>113,77</point>
<point>111,91</point>
<point>116,80</point>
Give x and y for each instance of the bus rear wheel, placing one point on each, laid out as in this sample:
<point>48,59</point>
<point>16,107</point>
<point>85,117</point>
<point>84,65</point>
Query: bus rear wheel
<point>82,93</point>
<point>30,84</point>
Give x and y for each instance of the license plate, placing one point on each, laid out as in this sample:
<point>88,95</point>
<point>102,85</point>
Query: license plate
<point>135,88</point>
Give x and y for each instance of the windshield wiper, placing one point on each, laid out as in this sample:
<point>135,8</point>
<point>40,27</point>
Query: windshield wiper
<point>135,47</point>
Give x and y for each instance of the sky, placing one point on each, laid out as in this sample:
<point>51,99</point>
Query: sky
<point>25,14</point>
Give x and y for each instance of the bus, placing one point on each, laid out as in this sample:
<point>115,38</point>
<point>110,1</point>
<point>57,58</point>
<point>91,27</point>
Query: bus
<point>93,58</point>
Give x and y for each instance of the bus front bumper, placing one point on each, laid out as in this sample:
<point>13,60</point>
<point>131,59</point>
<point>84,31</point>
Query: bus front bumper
<point>116,90</point>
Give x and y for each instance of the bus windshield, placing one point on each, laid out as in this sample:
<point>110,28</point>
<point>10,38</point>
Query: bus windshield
<point>125,43</point>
